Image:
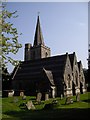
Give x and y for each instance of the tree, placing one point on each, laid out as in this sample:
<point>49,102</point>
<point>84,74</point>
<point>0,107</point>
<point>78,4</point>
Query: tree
<point>8,38</point>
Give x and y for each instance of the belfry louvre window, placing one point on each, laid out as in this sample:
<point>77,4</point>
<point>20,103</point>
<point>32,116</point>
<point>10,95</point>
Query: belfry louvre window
<point>46,55</point>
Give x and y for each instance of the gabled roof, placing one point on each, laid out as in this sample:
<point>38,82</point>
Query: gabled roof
<point>79,65</point>
<point>49,76</point>
<point>31,70</point>
<point>71,56</point>
<point>38,38</point>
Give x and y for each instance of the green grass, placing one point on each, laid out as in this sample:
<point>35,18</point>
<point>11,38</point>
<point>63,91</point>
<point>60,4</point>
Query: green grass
<point>11,109</point>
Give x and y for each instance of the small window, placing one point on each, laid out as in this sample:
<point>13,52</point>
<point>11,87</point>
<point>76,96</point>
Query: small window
<point>68,65</point>
<point>82,79</point>
<point>46,54</point>
<point>76,76</point>
<point>69,79</point>
<point>75,63</point>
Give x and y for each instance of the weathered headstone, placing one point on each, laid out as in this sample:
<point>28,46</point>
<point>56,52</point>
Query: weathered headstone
<point>11,93</point>
<point>53,92</point>
<point>68,101</point>
<point>61,96</point>
<point>71,100</point>
<point>46,96</point>
<point>24,97</point>
<point>21,94</point>
<point>77,97</point>
<point>39,96</point>
<point>30,105</point>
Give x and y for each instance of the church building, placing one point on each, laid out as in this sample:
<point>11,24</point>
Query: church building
<point>42,73</point>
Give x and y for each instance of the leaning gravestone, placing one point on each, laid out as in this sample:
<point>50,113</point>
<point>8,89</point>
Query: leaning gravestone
<point>77,97</point>
<point>30,105</point>
<point>24,97</point>
<point>39,96</point>
<point>68,100</point>
<point>46,96</point>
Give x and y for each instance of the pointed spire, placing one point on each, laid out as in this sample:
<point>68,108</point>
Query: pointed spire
<point>38,38</point>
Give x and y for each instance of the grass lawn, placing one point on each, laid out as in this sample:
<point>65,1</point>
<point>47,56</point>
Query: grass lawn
<point>11,109</point>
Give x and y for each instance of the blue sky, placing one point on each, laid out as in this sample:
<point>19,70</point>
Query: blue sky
<point>64,26</point>
<point>47,0</point>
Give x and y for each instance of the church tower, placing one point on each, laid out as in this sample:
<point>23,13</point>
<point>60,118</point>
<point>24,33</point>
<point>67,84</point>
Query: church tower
<point>38,50</point>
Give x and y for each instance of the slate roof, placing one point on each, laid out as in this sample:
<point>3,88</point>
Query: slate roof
<point>32,70</point>
<point>71,56</point>
<point>49,76</point>
<point>79,65</point>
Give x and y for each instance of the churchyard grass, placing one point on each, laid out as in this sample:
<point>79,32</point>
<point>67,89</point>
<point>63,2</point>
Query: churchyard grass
<point>11,108</point>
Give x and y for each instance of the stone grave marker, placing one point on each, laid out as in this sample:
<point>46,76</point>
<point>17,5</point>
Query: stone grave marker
<point>78,97</point>
<point>24,97</point>
<point>39,96</point>
<point>21,94</point>
<point>46,96</point>
<point>30,105</point>
<point>71,101</point>
<point>11,93</point>
<point>68,101</point>
<point>61,96</point>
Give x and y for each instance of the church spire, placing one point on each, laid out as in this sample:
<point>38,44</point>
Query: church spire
<point>38,38</point>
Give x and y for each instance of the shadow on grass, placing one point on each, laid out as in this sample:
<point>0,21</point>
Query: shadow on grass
<point>32,99</point>
<point>71,114</point>
<point>88,101</point>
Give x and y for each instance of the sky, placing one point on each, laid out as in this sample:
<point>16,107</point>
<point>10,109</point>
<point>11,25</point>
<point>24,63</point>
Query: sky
<point>64,27</point>
<point>47,0</point>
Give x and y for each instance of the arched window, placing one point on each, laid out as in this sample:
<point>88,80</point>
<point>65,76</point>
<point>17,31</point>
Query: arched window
<point>68,80</point>
<point>46,54</point>
<point>82,79</point>
<point>76,77</point>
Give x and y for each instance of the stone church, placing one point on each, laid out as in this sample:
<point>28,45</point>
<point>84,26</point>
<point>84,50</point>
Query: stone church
<point>42,73</point>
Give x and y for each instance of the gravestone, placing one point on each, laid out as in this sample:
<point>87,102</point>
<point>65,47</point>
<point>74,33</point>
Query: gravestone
<point>71,101</point>
<point>68,100</point>
<point>46,96</point>
<point>24,97</point>
<point>30,105</point>
<point>61,96</point>
<point>39,96</point>
<point>21,94</point>
<point>11,93</point>
<point>77,97</point>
